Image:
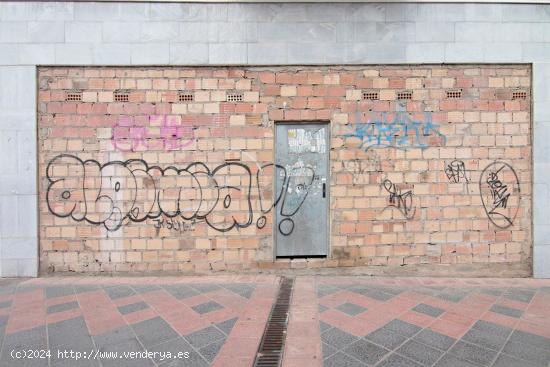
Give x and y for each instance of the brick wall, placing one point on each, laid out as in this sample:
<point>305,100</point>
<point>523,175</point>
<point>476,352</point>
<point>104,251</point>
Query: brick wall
<point>429,165</point>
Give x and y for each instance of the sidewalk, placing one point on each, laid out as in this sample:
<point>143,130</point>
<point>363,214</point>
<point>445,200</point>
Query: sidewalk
<point>220,320</point>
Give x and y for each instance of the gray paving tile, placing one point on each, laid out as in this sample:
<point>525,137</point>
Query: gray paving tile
<point>203,337</point>
<point>5,304</point>
<point>420,352</point>
<point>325,290</point>
<point>504,360</point>
<point>181,291</point>
<point>328,350</point>
<point>241,289</point>
<point>83,288</point>
<point>207,307</point>
<point>492,328</point>
<point>366,352</point>
<point>323,326</point>
<point>492,291</point>
<point>131,345</point>
<point>338,338</point>
<point>58,291</point>
<point>473,353</point>
<point>538,341</point>
<point>119,291</point>
<point>175,346</point>
<point>484,339</point>
<point>518,294</point>
<point>351,309</point>
<point>34,339</point>
<point>434,339</point>
<point>512,312</point>
<point>62,307</point>
<point>379,295</point>
<point>58,361</point>
<point>341,360</point>
<point>114,337</point>
<point>227,325</point>
<point>528,352</point>
<point>154,331</point>
<point>402,328</point>
<point>428,310</point>
<point>448,360</point>
<point>386,338</point>
<point>144,288</point>
<point>452,296</point>
<point>72,333</point>
<point>210,351</point>
<point>205,287</point>
<point>395,360</point>
<point>133,307</point>
<point>322,308</point>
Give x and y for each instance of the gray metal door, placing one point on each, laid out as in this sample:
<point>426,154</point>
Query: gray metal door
<point>302,186</point>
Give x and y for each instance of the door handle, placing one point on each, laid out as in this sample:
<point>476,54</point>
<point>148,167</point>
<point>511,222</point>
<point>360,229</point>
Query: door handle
<point>324,190</point>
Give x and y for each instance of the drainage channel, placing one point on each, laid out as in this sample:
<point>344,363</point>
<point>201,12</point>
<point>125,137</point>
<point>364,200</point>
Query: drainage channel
<point>273,340</point>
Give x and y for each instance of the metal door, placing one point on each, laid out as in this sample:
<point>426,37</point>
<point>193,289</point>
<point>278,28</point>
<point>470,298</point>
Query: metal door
<point>302,185</point>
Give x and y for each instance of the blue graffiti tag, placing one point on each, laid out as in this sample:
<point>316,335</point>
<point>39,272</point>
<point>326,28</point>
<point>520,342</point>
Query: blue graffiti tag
<point>401,132</point>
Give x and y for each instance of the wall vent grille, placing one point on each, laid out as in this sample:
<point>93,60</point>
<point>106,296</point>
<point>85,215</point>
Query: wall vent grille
<point>122,97</point>
<point>185,97</point>
<point>369,95</point>
<point>454,94</point>
<point>519,94</point>
<point>405,95</point>
<point>73,96</point>
<point>234,97</point>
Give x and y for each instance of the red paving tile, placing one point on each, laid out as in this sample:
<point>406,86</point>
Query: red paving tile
<point>417,319</point>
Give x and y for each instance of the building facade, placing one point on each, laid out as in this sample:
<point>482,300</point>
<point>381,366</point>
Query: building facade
<point>388,138</point>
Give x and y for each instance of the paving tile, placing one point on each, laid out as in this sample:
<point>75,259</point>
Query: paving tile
<point>72,333</point>
<point>144,288</point>
<point>338,338</point>
<point>351,309</point>
<point>341,360</point>
<point>452,297</point>
<point>114,336</point>
<point>512,312</point>
<point>180,291</point>
<point>434,339</point>
<point>175,346</point>
<point>83,288</point>
<point>491,291</point>
<point>322,308</point>
<point>210,351</point>
<point>473,353</point>
<point>119,291</point>
<point>484,339</point>
<point>205,336</point>
<point>207,307</point>
<point>205,287</point>
<point>504,360</point>
<point>133,307</point>
<point>62,307</point>
<point>325,290</point>
<point>538,341</point>
<point>328,350</point>
<point>366,352</point>
<point>154,331</point>
<point>528,353</point>
<point>5,304</point>
<point>227,325</point>
<point>58,291</point>
<point>386,338</point>
<point>402,327</point>
<point>395,360</point>
<point>491,327</point>
<point>323,326</point>
<point>522,295</point>
<point>448,360</point>
<point>131,345</point>
<point>243,290</point>
<point>428,310</point>
<point>34,339</point>
<point>420,352</point>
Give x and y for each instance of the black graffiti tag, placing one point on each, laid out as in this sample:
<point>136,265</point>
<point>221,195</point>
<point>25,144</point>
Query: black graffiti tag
<point>402,201</point>
<point>498,184</point>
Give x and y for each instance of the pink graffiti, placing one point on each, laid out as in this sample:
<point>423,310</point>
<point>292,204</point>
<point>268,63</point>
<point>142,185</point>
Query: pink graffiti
<point>163,132</point>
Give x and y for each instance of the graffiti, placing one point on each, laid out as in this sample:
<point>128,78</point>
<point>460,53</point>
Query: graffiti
<point>174,225</point>
<point>169,135</point>
<point>360,169</point>
<point>500,193</point>
<point>118,192</point>
<point>402,201</point>
<point>396,130</point>
<point>456,172</point>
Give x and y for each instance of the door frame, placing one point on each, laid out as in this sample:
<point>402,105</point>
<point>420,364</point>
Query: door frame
<point>329,184</point>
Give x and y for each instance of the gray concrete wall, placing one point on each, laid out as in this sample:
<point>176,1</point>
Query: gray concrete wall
<point>195,34</point>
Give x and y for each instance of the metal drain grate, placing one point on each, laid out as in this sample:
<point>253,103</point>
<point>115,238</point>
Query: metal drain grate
<point>273,340</point>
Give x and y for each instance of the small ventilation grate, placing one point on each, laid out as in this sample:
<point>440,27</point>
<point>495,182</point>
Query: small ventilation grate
<point>185,97</point>
<point>234,97</point>
<point>273,340</point>
<point>369,95</point>
<point>454,94</point>
<point>121,97</point>
<point>404,95</point>
<point>73,96</point>
<point>519,94</point>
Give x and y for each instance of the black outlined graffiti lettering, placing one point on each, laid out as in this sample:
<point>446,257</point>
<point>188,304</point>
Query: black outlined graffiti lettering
<point>500,193</point>
<point>402,201</point>
<point>456,173</point>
